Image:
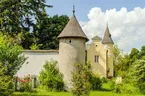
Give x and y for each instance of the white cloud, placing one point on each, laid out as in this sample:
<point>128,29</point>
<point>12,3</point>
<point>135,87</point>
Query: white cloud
<point>127,27</point>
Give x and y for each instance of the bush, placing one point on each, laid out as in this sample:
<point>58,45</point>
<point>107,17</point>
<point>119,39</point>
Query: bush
<point>104,80</point>
<point>124,86</point>
<point>138,75</point>
<point>96,82</point>
<point>25,84</point>
<point>112,84</point>
<point>81,79</point>
<point>6,86</point>
<point>11,61</point>
<point>50,77</point>
<point>85,80</point>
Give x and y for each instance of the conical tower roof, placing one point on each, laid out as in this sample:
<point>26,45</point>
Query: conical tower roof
<point>96,38</point>
<point>72,29</point>
<point>107,37</point>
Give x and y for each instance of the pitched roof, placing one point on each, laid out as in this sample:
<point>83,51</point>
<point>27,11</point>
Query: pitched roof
<point>73,29</point>
<point>107,37</point>
<point>96,38</point>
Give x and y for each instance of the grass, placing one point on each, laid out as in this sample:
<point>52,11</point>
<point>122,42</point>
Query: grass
<point>93,93</point>
<point>106,92</point>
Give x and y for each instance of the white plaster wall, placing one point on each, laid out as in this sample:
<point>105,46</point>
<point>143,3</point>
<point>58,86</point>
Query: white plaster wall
<point>35,61</point>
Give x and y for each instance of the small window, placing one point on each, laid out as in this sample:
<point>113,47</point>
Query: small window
<point>96,58</point>
<point>70,41</point>
<point>96,45</point>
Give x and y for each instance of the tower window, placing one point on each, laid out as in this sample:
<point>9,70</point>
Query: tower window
<point>70,41</point>
<point>96,58</point>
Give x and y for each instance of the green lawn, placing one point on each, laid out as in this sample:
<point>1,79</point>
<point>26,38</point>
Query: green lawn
<point>106,87</point>
<point>93,93</point>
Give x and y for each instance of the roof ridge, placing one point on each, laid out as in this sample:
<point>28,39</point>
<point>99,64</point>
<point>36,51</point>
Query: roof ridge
<point>96,38</point>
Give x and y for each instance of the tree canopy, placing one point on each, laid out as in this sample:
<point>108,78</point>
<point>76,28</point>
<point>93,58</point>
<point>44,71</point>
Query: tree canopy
<point>29,18</point>
<point>11,61</point>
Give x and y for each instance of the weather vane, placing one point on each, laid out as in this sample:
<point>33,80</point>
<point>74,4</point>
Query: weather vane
<point>73,10</point>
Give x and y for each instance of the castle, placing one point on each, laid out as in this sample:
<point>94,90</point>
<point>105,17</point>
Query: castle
<point>72,49</point>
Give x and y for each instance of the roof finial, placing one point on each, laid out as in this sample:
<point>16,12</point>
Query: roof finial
<point>73,10</point>
<point>107,25</point>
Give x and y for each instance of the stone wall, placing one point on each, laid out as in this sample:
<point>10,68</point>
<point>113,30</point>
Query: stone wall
<point>71,51</point>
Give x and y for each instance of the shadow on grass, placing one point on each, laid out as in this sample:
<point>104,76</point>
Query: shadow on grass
<point>29,94</point>
<point>33,93</point>
<point>105,89</point>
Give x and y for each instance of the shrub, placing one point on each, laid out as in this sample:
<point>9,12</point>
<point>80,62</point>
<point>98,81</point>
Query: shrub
<point>11,61</point>
<point>125,88</point>
<point>6,86</point>
<point>138,75</point>
<point>84,80</point>
<point>96,82</point>
<point>112,84</point>
<point>25,83</point>
<point>81,79</point>
<point>104,80</point>
<point>50,77</point>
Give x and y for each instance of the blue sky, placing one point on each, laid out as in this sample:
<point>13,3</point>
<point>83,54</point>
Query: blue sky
<point>126,19</point>
<point>84,6</point>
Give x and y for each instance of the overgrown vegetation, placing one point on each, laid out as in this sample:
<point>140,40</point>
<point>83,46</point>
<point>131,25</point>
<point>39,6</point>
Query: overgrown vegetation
<point>29,18</point>
<point>25,84</point>
<point>50,77</point>
<point>131,67</point>
<point>96,82</point>
<point>138,75</point>
<point>81,85</point>
<point>11,61</point>
<point>6,84</point>
<point>84,80</point>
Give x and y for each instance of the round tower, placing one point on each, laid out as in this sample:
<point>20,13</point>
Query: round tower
<point>108,45</point>
<point>72,46</point>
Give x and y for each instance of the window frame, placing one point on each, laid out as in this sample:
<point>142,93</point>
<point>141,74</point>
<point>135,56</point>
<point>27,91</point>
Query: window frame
<point>96,58</point>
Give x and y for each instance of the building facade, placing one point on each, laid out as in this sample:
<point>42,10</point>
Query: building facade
<point>72,49</point>
<point>72,46</point>
<point>100,54</point>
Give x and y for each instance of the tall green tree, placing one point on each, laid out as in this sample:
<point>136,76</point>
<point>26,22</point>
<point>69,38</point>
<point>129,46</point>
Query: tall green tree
<point>133,56</point>
<point>117,60</point>
<point>10,56</point>
<point>20,16</point>
<point>138,74</point>
<point>120,61</point>
<point>116,55</point>
<point>48,29</point>
<point>142,53</point>
<point>11,61</point>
